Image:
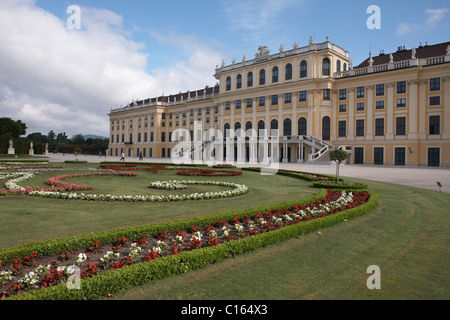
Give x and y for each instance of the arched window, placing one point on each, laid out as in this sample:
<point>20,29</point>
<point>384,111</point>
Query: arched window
<point>287,127</point>
<point>261,127</point>
<point>238,81</point>
<point>248,128</point>
<point>288,71</point>
<point>237,129</point>
<point>303,69</point>
<point>326,128</point>
<point>275,74</point>
<point>226,130</point>
<point>326,67</point>
<point>338,66</point>
<point>250,79</point>
<point>262,77</point>
<point>274,126</point>
<point>302,126</point>
<point>345,67</point>
<point>228,83</point>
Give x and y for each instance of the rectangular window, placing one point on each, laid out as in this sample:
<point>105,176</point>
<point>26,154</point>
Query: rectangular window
<point>401,103</point>
<point>342,128</point>
<point>359,155</point>
<point>287,98</point>
<point>379,104</point>
<point>199,111</point>
<point>227,106</point>
<point>208,110</point>
<point>326,94</point>
<point>249,103</point>
<point>360,92</point>
<point>400,126</point>
<point>401,87</point>
<point>163,137</point>
<point>435,101</point>
<point>145,136</point>
<point>400,156</point>
<point>139,137</point>
<point>238,104</point>
<point>379,90</point>
<point>360,106</point>
<point>342,108</point>
<point>275,99</point>
<point>151,136</point>
<point>435,124</point>
<point>379,127</point>
<point>360,128</point>
<point>262,101</point>
<point>378,155</point>
<point>302,96</point>
<point>435,84</point>
<point>343,94</point>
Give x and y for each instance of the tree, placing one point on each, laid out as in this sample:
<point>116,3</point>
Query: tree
<point>338,156</point>
<point>78,140</point>
<point>51,136</point>
<point>13,128</point>
<point>37,137</point>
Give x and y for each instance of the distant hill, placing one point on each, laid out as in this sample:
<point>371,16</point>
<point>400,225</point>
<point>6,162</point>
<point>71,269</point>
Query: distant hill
<point>87,136</point>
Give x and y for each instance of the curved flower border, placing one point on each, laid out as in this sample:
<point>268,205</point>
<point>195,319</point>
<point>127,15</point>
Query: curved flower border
<point>238,190</point>
<point>200,237</point>
<point>58,188</point>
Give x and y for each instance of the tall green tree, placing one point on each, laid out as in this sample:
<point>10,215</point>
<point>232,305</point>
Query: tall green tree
<point>15,129</point>
<point>78,140</point>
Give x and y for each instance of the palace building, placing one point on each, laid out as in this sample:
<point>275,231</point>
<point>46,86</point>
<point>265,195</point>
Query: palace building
<point>391,109</point>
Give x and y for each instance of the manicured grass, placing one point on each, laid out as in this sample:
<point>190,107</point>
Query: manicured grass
<point>407,236</point>
<point>31,219</point>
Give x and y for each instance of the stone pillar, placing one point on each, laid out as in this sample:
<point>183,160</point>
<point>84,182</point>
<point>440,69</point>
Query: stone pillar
<point>390,111</point>
<point>351,118</point>
<point>369,133</point>
<point>446,117</point>
<point>413,110</point>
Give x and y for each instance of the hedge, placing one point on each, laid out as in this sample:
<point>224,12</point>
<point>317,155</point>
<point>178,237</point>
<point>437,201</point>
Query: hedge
<point>126,277</point>
<point>296,174</point>
<point>51,247</point>
<point>342,186</point>
<point>156,164</point>
<point>75,161</point>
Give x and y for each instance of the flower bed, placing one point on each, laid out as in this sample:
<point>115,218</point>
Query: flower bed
<point>57,186</point>
<point>58,189</point>
<point>234,235</point>
<point>133,166</point>
<point>209,173</point>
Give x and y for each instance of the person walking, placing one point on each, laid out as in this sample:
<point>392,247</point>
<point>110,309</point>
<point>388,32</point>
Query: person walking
<point>123,157</point>
<point>140,157</point>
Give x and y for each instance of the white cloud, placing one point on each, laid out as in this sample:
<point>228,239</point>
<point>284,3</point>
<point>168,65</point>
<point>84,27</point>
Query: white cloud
<point>404,28</point>
<point>53,78</point>
<point>433,17</point>
<point>256,17</point>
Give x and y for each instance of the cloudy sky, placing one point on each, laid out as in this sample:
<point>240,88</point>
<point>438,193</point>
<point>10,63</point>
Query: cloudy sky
<point>56,74</point>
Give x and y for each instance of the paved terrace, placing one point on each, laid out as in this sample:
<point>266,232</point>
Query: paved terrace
<point>420,177</point>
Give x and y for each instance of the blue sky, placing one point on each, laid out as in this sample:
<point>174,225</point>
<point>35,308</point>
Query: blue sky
<point>238,27</point>
<point>61,80</point>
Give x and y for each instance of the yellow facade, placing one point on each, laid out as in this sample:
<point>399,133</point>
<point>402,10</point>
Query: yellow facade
<point>390,110</point>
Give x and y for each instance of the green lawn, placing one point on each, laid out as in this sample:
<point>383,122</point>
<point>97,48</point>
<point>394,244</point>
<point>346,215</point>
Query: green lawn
<point>407,236</point>
<point>31,219</point>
